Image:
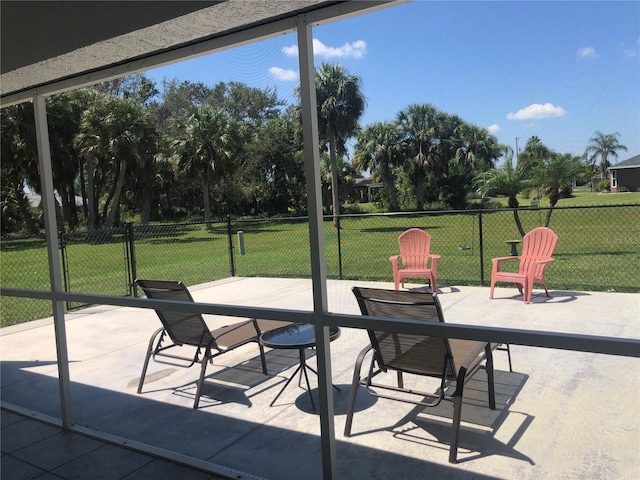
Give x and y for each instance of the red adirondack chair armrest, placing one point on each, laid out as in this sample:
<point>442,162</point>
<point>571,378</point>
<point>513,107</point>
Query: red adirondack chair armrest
<point>497,261</point>
<point>434,264</point>
<point>394,262</point>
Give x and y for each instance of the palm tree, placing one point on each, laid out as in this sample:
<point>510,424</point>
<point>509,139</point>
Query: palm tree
<point>340,105</point>
<point>557,171</point>
<point>534,152</point>
<point>469,150</point>
<point>604,146</point>
<point>117,133</point>
<point>379,150</point>
<point>346,176</point>
<point>64,112</point>
<point>419,126</point>
<point>206,147</point>
<point>19,155</point>
<point>477,147</point>
<point>507,180</point>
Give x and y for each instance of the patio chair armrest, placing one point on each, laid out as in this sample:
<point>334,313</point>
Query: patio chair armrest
<point>394,262</point>
<point>217,335</point>
<point>544,262</point>
<point>498,260</point>
<point>466,369</point>
<point>480,347</point>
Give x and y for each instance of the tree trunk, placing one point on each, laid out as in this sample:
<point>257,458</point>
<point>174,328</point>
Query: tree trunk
<point>69,212</point>
<point>116,194</point>
<point>334,180</point>
<point>205,198</point>
<point>419,191</point>
<point>513,203</point>
<point>145,214</point>
<point>516,217</point>
<point>547,219</point>
<point>92,208</point>
<point>83,190</point>
<point>554,196</point>
<point>387,179</point>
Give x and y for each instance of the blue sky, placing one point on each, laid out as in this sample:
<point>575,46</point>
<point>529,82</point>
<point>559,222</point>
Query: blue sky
<point>558,70</point>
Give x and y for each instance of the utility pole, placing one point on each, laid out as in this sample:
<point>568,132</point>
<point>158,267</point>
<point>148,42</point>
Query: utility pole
<point>517,149</point>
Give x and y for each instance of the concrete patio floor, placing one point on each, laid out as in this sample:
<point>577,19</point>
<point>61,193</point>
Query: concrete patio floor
<point>560,414</point>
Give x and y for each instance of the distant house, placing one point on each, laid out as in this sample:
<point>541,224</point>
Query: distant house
<point>364,187</point>
<point>625,175</point>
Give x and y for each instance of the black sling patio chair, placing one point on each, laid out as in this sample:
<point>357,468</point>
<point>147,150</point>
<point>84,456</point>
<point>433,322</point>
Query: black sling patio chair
<point>448,359</point>
<point>189,329</point>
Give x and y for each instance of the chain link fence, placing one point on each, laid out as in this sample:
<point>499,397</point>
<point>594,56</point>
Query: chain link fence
<point>598,250</point>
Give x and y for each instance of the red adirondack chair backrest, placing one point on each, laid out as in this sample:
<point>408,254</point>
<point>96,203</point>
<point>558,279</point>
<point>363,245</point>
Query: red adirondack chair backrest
<point>538,244</point>
<point>414,248</point>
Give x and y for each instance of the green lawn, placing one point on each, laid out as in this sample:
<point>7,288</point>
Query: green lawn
<point>597,250</point>
<point>582,197</point>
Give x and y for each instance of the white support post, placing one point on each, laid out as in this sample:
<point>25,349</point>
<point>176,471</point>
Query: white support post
<point>316,244</point>
<point>55,277</point>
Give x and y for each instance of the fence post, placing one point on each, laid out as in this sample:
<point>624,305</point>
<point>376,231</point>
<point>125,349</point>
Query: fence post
<point>230,236</point>
<point>64,263</point>
<point>481,247</point>
<point>339,249</point>
<point>133,287</point>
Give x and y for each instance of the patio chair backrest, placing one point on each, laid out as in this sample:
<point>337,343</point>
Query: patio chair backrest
<point>416,354</point>
<point>538,244</point>
<point>415,245</point>
<point>183,328</point>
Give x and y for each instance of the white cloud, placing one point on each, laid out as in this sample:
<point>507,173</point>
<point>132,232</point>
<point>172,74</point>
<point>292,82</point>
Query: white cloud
<point>630,52</point>
<point>493,129</point>
<point>586,52</point>
<point>282,74</point>
<point>291,51</point>
<point>355,49</point>
<point>536,110</point>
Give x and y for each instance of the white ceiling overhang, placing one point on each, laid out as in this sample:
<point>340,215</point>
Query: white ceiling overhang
<point>49,47</point>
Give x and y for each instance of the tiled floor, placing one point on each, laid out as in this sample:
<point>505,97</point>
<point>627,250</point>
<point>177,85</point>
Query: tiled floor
<point>32,449</point>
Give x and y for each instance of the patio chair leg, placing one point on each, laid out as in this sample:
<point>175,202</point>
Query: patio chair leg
<point>509,356</point>
<point>147,358</point>
<point>490,378</point>
<point>455,429</point>
<point>263,359</point>
<point>355,384</point>
<point>203,370</point>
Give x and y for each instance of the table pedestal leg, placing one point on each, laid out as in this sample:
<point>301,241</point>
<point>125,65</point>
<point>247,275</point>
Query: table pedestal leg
<point>302,368</point>
<point>285,385</point>
<point>314,371</point>
<point>303,362</point>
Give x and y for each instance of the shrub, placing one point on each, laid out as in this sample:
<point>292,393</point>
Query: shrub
<point>602,185</point>
<point>566,191</point>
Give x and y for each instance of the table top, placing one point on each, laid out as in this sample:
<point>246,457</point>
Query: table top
<point>296,335</point>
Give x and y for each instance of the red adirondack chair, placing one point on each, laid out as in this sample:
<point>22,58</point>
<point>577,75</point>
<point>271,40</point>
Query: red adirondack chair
<point>537,247</point>
<point>417,261</point>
